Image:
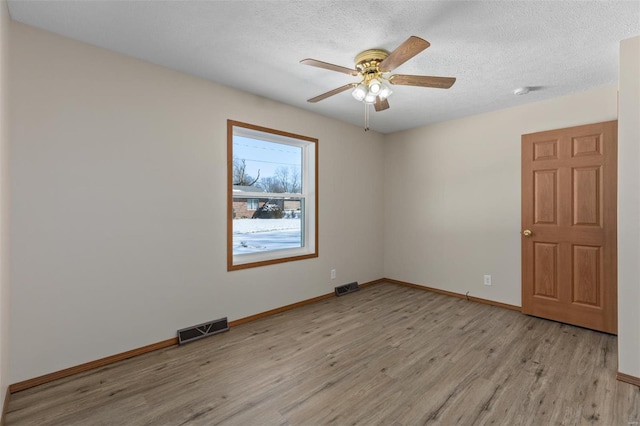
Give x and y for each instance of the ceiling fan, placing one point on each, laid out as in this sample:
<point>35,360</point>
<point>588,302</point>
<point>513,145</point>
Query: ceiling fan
<point>372,65</point>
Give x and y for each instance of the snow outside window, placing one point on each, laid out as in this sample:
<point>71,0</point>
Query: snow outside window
<point>272,196</point>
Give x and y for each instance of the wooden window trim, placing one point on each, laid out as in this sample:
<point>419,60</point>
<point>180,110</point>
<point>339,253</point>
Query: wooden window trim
<point>230,265</point>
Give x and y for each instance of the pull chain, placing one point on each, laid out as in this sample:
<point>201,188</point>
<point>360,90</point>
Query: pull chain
<point>366,117</point>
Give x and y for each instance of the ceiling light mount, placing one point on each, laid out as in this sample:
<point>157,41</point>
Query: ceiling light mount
<point>367,61</point>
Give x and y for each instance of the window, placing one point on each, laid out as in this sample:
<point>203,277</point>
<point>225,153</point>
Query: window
<point>252,204</point>
<point>272,196</point>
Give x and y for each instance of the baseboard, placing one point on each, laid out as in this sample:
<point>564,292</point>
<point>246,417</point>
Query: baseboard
<point>36,381</point>
<point>370,283</point>
<point>627,378</point>
<point>5,406</point>
<point>16,387</point>
<point>293,306</point>
<point>280,309</point>
<point>458,295</point>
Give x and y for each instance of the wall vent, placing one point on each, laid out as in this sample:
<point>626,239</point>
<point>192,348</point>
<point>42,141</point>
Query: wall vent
<point>347,288</point>
<point>199,331</point>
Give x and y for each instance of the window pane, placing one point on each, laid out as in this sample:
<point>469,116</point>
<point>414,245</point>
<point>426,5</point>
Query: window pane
<point>275,225</point>
<point>267,166</point>
<point>252,204</point>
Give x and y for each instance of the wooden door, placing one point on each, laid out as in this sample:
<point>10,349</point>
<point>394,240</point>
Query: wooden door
<point>569,182</point>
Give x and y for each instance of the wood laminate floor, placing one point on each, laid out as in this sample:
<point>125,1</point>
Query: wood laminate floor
<point>386,355</point>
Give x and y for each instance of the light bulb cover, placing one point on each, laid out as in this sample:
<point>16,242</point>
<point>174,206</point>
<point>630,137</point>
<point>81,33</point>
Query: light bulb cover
<point>385,92</point>
<point>360,92</point>
<point>370,98</point>
<point>375,86</point>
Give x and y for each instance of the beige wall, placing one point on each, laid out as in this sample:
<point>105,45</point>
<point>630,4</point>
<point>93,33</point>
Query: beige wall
<point>629,208</point>
<point>118,176</point>
<point>463,179</point>
<point>4,202</point>
<point>118,171</point>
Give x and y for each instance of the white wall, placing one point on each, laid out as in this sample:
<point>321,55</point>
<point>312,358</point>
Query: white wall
<point>629,208</point>
<point>118,176</point>
<point>4,202</point>
<point>452,194</point>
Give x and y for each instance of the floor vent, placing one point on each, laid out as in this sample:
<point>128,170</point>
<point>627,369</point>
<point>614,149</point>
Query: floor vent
<point>199,331</point>
<point>347,288</point>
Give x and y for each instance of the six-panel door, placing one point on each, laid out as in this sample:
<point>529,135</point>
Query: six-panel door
<point>569,205</point>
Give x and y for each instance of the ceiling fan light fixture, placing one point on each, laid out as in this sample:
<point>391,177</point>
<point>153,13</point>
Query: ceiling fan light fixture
<point>370,98</point>
<point>360,92</point>
<point>375,86</point>
<point>385,92</point>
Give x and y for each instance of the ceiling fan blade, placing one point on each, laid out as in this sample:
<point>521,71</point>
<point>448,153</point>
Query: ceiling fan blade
<point>423,81</point>
<point>381,104</point>
<point>331,93</point>
<point>328,66</point>
<point>407,50</point>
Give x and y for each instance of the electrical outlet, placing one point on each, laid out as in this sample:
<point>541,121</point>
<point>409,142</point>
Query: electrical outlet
<point>487,280</point>
<point>333,274</point>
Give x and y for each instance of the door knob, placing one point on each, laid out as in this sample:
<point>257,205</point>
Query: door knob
<point>526,233</point>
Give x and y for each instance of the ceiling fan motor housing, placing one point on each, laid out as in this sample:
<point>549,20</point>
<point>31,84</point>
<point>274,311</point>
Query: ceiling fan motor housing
<point>367,62</point>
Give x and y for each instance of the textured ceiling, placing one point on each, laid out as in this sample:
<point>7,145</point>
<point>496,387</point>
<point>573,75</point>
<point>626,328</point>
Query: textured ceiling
<point>557,47</point>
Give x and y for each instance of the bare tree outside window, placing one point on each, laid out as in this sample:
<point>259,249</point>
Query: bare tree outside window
<point>240,176</point>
